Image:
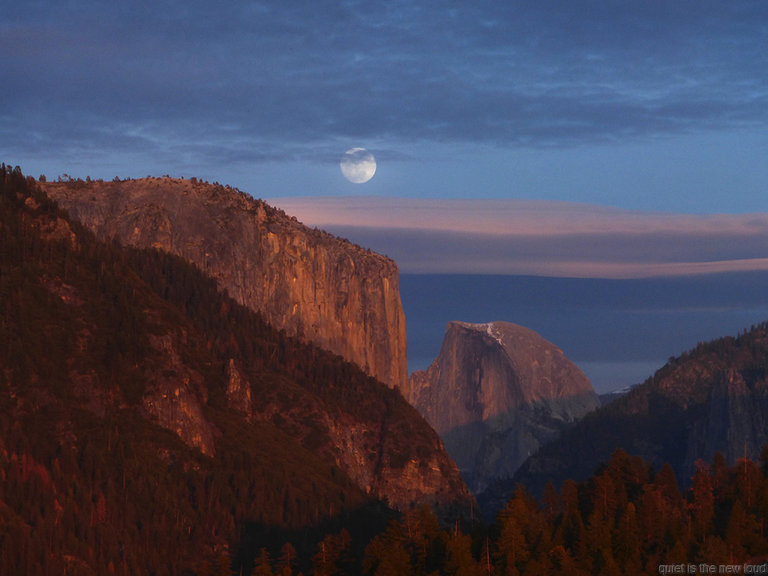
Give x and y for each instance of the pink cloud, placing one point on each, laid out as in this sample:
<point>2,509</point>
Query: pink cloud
<point>540,237</point>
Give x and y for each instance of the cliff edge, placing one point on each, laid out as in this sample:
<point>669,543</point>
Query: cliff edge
<point>309,283</point>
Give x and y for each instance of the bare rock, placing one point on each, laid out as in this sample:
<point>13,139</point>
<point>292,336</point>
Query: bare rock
<point>495,393</point>
<point>307,282</point>
<point>238,389</point>
<point>175,397</point>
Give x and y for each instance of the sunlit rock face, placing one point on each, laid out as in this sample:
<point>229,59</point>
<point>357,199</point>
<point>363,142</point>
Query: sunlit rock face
<point>238,390</point>
<point>309,283</point>
<point>175,396</point>
<point>495,393</point>
<point>400,461</point>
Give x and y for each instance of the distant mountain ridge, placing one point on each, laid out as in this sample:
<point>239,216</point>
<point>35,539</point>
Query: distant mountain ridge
<point>711,399</point>
<point>321,288</point>
<point>495,393</point>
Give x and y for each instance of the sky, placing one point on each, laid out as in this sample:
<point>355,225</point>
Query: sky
<point>649,105</point>
<point>539,237</point>
<point>611,140</point>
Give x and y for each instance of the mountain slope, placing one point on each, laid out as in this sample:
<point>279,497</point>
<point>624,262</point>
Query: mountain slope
<point>313,285</point>
<point>146,419</point>
<point>711,399</point>
<point>495,393</point>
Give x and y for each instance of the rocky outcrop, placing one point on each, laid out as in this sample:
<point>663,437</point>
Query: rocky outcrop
<point>174,397</point>
<point>238,390</point>
<point>400,459</point>
<point>495,393</point>
<point>307,282</point>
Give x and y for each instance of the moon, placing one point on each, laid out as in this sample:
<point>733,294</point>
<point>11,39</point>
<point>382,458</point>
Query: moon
<point>358,165</point>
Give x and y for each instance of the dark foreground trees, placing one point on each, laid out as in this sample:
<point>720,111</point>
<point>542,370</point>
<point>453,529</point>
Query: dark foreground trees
<point>626,519</point>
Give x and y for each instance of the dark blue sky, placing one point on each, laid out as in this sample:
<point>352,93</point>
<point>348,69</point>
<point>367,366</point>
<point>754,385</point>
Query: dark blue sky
<point>619,332</point>
<point>652,105</point>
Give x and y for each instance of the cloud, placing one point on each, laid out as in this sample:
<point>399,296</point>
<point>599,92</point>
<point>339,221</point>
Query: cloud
<point>546,74</point>
<point>525,237</point>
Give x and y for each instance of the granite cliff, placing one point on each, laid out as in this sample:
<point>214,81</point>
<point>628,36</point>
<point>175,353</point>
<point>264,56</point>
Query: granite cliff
<point>495,394</point>
<point>311,284</point>
<point>157,419</point>
<point>303,281</point>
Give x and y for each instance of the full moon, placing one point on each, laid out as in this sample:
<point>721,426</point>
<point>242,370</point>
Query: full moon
<point>358,165</point>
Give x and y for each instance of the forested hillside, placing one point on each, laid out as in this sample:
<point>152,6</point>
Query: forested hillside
<point>150,425</point>
<point>713,398</point>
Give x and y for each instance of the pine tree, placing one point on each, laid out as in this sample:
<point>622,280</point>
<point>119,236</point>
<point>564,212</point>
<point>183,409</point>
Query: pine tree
<point>626,546</point>
<point>570,531</point>
<point>331,554</point>
<point>422,530</point>
<point>386,554</point>
<point>512,546</point>
<point>703,505</point>
<point>738,530</point>
<point>263,566</point>
<point>286,564</point>
<point>459,560</point>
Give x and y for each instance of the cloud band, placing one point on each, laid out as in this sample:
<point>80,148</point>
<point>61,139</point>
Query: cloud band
<point>542,238</point>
